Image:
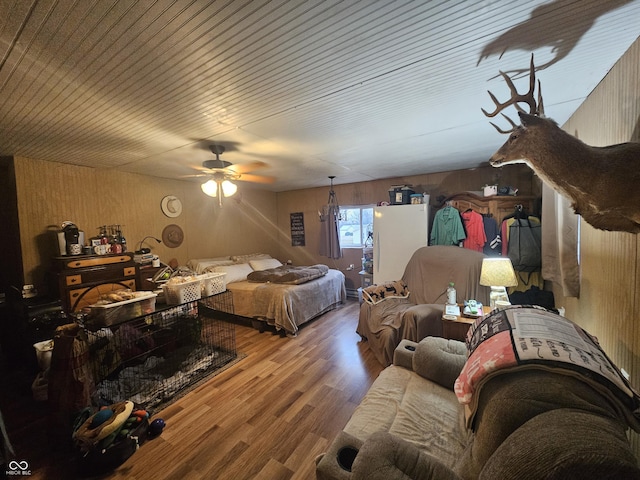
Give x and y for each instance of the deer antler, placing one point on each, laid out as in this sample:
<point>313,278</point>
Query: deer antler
<point>535,108</point>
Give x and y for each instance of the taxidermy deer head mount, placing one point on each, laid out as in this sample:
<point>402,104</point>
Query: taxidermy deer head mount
<point>603,183</point>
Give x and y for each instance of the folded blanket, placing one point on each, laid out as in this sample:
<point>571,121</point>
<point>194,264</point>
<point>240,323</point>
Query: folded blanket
<point>288,274</point>
<point>526,337</point>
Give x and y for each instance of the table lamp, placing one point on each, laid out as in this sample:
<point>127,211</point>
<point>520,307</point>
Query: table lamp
<point>141,250</point>
<point>497,273</point>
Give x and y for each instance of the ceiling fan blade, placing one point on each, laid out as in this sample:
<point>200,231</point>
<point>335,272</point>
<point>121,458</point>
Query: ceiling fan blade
<point>196,175</point>
<point>246,167</point>
<point>247,177</point>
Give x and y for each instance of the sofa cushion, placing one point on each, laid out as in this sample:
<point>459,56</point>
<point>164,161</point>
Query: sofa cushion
<point>415,409</point>
<point>564,444</point>
<point>387,457</point>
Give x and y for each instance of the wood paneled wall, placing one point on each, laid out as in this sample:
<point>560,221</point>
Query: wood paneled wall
<point>609,303</point>
<point>309,201</point>
<point>50,193</point>
<point>253,220</point>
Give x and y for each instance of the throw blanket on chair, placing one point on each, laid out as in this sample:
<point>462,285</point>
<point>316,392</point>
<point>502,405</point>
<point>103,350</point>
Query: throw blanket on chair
<point>525,337</point>
<point>377,293</point>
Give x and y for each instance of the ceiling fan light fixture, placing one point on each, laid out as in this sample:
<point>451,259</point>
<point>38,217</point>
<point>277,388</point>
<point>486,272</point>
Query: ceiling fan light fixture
<point>210,187</point>
<point>228,188</point>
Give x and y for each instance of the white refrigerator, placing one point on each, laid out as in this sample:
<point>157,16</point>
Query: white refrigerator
<point>398,231</point>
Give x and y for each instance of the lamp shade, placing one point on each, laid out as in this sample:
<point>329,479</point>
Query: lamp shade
<point>498,272</point>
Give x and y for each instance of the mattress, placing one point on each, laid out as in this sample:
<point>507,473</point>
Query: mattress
<point>288,306</point>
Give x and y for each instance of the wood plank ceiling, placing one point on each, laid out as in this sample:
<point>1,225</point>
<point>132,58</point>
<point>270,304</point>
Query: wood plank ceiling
<point>357,89</point>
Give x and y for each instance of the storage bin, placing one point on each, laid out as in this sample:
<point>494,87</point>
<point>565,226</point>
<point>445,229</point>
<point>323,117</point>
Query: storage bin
<point>490,190</point>
<point>212,283</point>
<point>44,350</point>
<point>400,194</point>
<point>114,313</point>
<point>177,293</point>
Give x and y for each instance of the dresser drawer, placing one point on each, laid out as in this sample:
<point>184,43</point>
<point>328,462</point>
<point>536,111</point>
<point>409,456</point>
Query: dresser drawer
<point>88,261</point>
<point>73,280</point>
<point>100,274</point>
<point>81,297</point>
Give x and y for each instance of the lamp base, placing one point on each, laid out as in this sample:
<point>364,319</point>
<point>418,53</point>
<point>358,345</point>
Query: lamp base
<point>497,293</point>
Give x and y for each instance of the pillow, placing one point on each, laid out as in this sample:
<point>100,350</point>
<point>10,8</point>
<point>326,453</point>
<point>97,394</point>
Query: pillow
<point>264,263</point>
<point>378,293</point>
<point>250,256</point>
<point>199,264</point>
<point>235,273</point>
<point>206,265</point>
<point>440,360</point>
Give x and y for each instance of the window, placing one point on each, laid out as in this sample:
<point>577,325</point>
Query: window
<point>356,223</point>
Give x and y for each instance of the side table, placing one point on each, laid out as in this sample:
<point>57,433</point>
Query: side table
<point>456,329</point>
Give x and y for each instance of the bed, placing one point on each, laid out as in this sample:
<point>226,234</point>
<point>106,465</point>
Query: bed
<point>254,281</point>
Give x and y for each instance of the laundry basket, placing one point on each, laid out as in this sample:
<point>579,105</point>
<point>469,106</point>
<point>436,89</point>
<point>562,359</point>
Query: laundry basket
<point>213,283</point>
<point>177,293</point>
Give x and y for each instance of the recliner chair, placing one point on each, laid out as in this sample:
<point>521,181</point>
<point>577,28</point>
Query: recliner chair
<point>427,276</point>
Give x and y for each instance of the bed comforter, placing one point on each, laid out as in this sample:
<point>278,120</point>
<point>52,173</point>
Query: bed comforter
<point>288,306</point>
<point>288,274</point>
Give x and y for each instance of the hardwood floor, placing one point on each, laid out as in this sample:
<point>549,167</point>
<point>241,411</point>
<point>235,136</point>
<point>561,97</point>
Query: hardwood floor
<point>267,417</point>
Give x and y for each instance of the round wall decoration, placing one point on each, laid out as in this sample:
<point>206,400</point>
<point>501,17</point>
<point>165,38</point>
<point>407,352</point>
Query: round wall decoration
<point>171,206</point>
<point>172,236</point>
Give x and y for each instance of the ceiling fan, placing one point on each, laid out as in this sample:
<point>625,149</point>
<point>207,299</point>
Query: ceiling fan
<point>222,174</point>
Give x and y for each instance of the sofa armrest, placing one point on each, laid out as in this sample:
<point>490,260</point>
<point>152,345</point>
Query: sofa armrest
<point>403,354</point>
<point>384,456</point>
<point>440,360</point>
<point>336,463</point>
<point>422,320</point>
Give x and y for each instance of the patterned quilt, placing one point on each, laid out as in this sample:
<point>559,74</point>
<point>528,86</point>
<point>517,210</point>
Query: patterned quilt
<point>378,293</point>
<point>531,337</point>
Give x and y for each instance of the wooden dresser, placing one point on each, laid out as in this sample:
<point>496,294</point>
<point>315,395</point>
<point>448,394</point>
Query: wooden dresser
<point>81,279</point>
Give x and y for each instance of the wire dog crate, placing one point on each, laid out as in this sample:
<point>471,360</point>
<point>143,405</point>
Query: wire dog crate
<point>152,358</point>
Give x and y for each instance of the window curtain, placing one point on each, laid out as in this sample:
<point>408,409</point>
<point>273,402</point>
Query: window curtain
<point>560,237</point>
<point>329,234</point>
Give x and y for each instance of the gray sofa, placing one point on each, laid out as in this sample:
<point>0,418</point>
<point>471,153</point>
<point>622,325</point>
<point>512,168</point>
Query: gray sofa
<point>427,276</point>
<point>533,424</point>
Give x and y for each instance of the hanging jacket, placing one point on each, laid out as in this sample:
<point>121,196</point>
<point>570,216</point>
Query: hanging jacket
<point>447,227</point>
<point>493,245</point>
<point>474,227</point>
